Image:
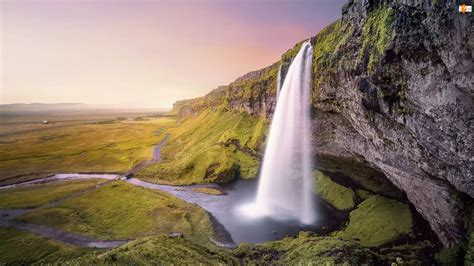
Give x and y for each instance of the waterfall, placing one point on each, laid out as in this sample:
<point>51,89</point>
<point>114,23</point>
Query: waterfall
<point>285,185</point>
<point>278,82</point>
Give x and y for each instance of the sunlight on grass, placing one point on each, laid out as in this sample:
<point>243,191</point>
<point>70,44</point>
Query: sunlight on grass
<point>114,147</point>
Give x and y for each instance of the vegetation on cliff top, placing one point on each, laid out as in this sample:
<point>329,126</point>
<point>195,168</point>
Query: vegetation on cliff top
<point>377,34</point>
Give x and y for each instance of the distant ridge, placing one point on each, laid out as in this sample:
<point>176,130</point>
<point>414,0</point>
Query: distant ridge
<point>49,107</point>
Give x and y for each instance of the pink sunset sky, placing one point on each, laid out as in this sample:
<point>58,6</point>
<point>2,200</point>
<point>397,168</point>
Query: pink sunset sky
<point>144,53</point>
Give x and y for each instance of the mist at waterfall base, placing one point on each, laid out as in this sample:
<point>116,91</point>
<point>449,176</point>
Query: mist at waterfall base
<point>285,185</point>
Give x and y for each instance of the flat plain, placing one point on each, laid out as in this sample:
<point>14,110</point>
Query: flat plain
<point>81,142</point>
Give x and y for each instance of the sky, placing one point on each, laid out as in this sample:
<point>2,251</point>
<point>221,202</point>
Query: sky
<point>144,53</point>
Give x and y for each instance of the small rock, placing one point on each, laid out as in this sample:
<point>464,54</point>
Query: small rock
<point>176,235</point>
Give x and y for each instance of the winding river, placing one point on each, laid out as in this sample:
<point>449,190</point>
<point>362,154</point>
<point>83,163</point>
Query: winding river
<point>231,227</point>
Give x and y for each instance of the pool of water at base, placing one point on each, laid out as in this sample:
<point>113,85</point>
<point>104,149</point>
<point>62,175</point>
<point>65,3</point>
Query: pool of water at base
<point>224,208</point>
<point>257,230</point>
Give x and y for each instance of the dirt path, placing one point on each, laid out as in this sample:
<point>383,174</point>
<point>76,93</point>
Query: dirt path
<point>156,158</point>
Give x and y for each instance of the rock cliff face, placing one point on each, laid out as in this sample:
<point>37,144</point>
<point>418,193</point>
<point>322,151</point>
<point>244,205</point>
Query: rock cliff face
<point>405,105</point>
<point>392,99</point>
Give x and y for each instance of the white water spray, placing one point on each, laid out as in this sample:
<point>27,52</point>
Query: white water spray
<point>285,186</point>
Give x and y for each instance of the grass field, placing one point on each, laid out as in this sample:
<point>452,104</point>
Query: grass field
<point>22,248</point>
<point>14,121</point>
<point>121,211</point>
<point>35,196</point>
<point>102,146</point>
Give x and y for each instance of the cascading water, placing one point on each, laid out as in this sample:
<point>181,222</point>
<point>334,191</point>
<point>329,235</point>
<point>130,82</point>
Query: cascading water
<point>278,82</point>
<point>285,186</point>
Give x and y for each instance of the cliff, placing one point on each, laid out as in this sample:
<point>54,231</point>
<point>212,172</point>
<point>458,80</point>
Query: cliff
<point>392,99</point>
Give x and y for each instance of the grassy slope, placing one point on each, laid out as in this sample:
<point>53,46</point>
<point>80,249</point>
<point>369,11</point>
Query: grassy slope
<point>18,248</point>
<point>214,146</point>
<point>35,196</point>
<point>114,147</point>
<point>161,250</point>
<point>121,211</point>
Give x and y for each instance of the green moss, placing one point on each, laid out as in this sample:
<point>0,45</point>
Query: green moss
<point>363,194</point>
<point>307,249</point>
<point>214,146</point>
<point>253,90</point>
<point>35,196</point>
<point>326,50</point>
<point>336,195</point>
<point>259,134</point>
<point>362,176</point>
<point>120,211</point>
<point>161,250</point>
<point>377,34</point>
<point>377,221</point>
<point>469,258</point>
<point>22,248</point>
<point>451,256</point>
<point>207,190</point>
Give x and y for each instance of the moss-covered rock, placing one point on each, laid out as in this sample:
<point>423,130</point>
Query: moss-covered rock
<point>359,176</point>
<point>377,34</point>
<point>377,221</point>
<point>208,190</point>
<point>451,256</point>
<point>363,194</point>
<point>306,250</point>
<point>338,196</point>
